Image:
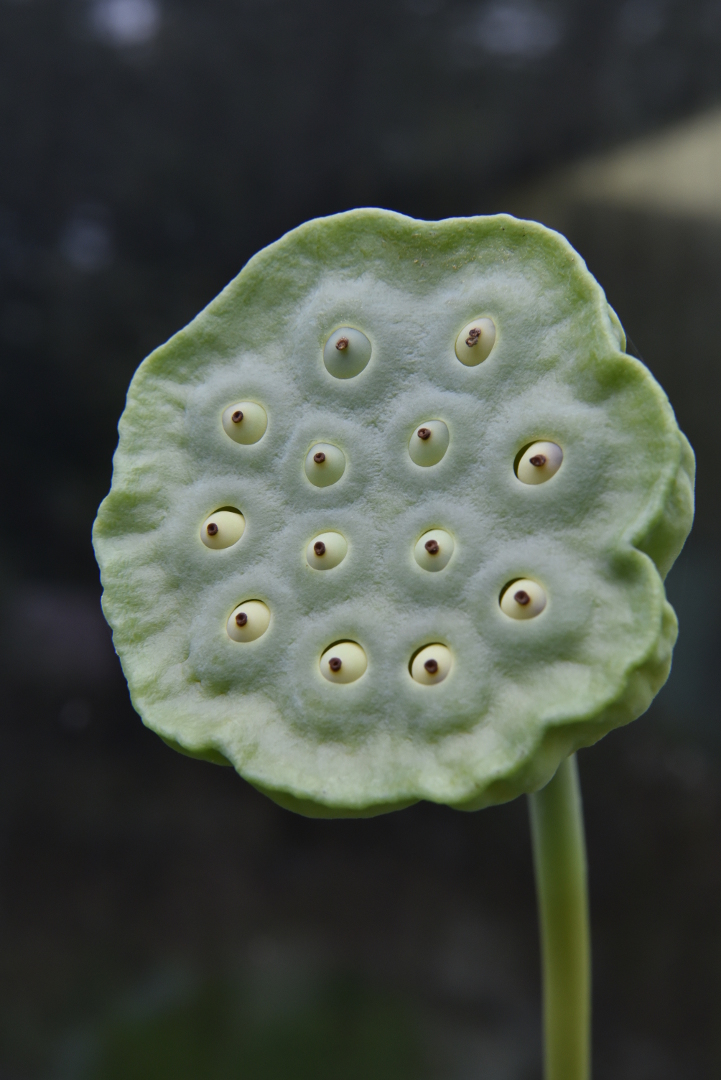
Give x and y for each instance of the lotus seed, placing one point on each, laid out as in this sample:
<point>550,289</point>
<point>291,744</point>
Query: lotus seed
<point>539,462</point>
<point>343,662</point>
<point>248,621</point>
<point>431,664</point>
<point>223,528</point>
<point>326,551</point>
<point>245,422</point>
<point>429,443</point>
<point>523,599</point>
<point>434,549</point>
<point>324,464</point>
<point>475,341</point>
<point>346,353</point>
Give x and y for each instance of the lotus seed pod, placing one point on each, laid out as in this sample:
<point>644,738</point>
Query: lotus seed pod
<point>539,462</point>
<point>434,549</point>
<point>599,537</point>
<point>324,464</point>
<point>523,599</point>
<point>475,341</point>
<point>343,662</point>
<point>222,529</point>
<point>429,442</point>
<point>346,353</point>
<point>431,665</point>
<point>245,422</point>
<point>326,550</point>
<point>248,621</point>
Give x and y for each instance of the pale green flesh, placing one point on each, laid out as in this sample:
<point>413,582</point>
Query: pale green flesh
<point>521,694</point>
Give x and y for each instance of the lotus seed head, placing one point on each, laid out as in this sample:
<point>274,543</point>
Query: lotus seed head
<point>539,462</point>
<point>475,341</point>
<point>434,549</point>
<point>248,621</point>
<point>326,551</point>
<point>429,443</point>
<point>346,353</point>
<point>343,662</point>
<point>523,599</point>
<point>223,528</point>
<point>245,422</point>
<point>431,664</point>
<point>324,464</point>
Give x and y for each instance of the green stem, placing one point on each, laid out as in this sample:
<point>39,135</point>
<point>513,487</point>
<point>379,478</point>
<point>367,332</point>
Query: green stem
<point>559,855</point>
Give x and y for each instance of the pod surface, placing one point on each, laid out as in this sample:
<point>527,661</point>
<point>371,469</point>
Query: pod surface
<point>600,537</point>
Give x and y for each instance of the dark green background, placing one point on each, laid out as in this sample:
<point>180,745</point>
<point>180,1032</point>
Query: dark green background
<point>159,918</point>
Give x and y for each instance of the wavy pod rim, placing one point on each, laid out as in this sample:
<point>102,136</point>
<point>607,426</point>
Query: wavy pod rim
<point>466,765</point>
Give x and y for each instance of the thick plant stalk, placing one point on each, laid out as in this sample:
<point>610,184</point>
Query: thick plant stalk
<point>559,854</point>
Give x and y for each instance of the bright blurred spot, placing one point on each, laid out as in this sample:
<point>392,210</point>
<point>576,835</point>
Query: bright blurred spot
<point>521,30</point>
<point>87,242</point>
<point>125,22</point>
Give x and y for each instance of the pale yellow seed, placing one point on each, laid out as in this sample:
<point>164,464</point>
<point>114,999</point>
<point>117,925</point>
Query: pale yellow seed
<point>475,341</point>
<point>432,664</point>
<point>539,462</point>
<point>245,422</point>
<point>324,464</point>
<point>434,549</point>
<point>343,662</point>
<point>222,529</point>
<point>429,442</point>
<point>326,551</point>
<point>248,621</point>
<point>523,599</point>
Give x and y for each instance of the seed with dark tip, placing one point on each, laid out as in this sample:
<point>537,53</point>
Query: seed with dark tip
<point>212,529</point>
<point>237,416</point>
<point>522,597</point>
<point>424,433</point>
<point>431,667</point>
<point>319,548</point>
<point>319,458</point>
<point>432,547</point>
<point>341,343</point>
<point>335,663</point>
<point>241,618</point>
<point>538,460</point>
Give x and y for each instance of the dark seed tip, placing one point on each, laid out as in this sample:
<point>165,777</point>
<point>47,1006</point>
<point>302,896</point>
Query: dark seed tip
<point>319,458</point>
<point>538,460</point>
<point>342,343</point>
<point>431,666</point>
<point>432,547</point>
<point>424,433</point>
<point>522,597</point>
<point>237,416</point>
<point>241,618</point>
<point>212,529</point>
<point>319,547</point>
<point>473,336</point>
<point>335,663</point>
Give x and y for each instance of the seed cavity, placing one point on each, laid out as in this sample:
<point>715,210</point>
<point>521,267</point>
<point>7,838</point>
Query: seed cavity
<point>434,549</point>
<point>223,528</point>
<point>245,422</point>
<point>429,443</point>
<point>324,464</point>
<point>523,599</point>
<point>475,341</point>
<point>346,353</point>
<point>538,462</point>
<point>431,664</point>
<point>343,662</point>
<point>325,551</point>
<point>248,621</point>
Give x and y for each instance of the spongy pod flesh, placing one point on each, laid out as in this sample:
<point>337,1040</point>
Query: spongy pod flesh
<point>317,640</point>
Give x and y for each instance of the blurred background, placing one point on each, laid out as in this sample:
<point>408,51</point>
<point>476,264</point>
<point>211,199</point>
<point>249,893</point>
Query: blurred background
<point>159,918</point>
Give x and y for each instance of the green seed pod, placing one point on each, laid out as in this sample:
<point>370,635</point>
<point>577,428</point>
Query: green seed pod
<point>346,353</point>
<point>429,442</point>
<point>324,464</point>
<point>245,422</point>
<point>599,536</point>
<point>326,550</point>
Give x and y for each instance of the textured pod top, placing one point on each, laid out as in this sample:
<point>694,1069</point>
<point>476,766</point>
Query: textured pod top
<point>588,548</point>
